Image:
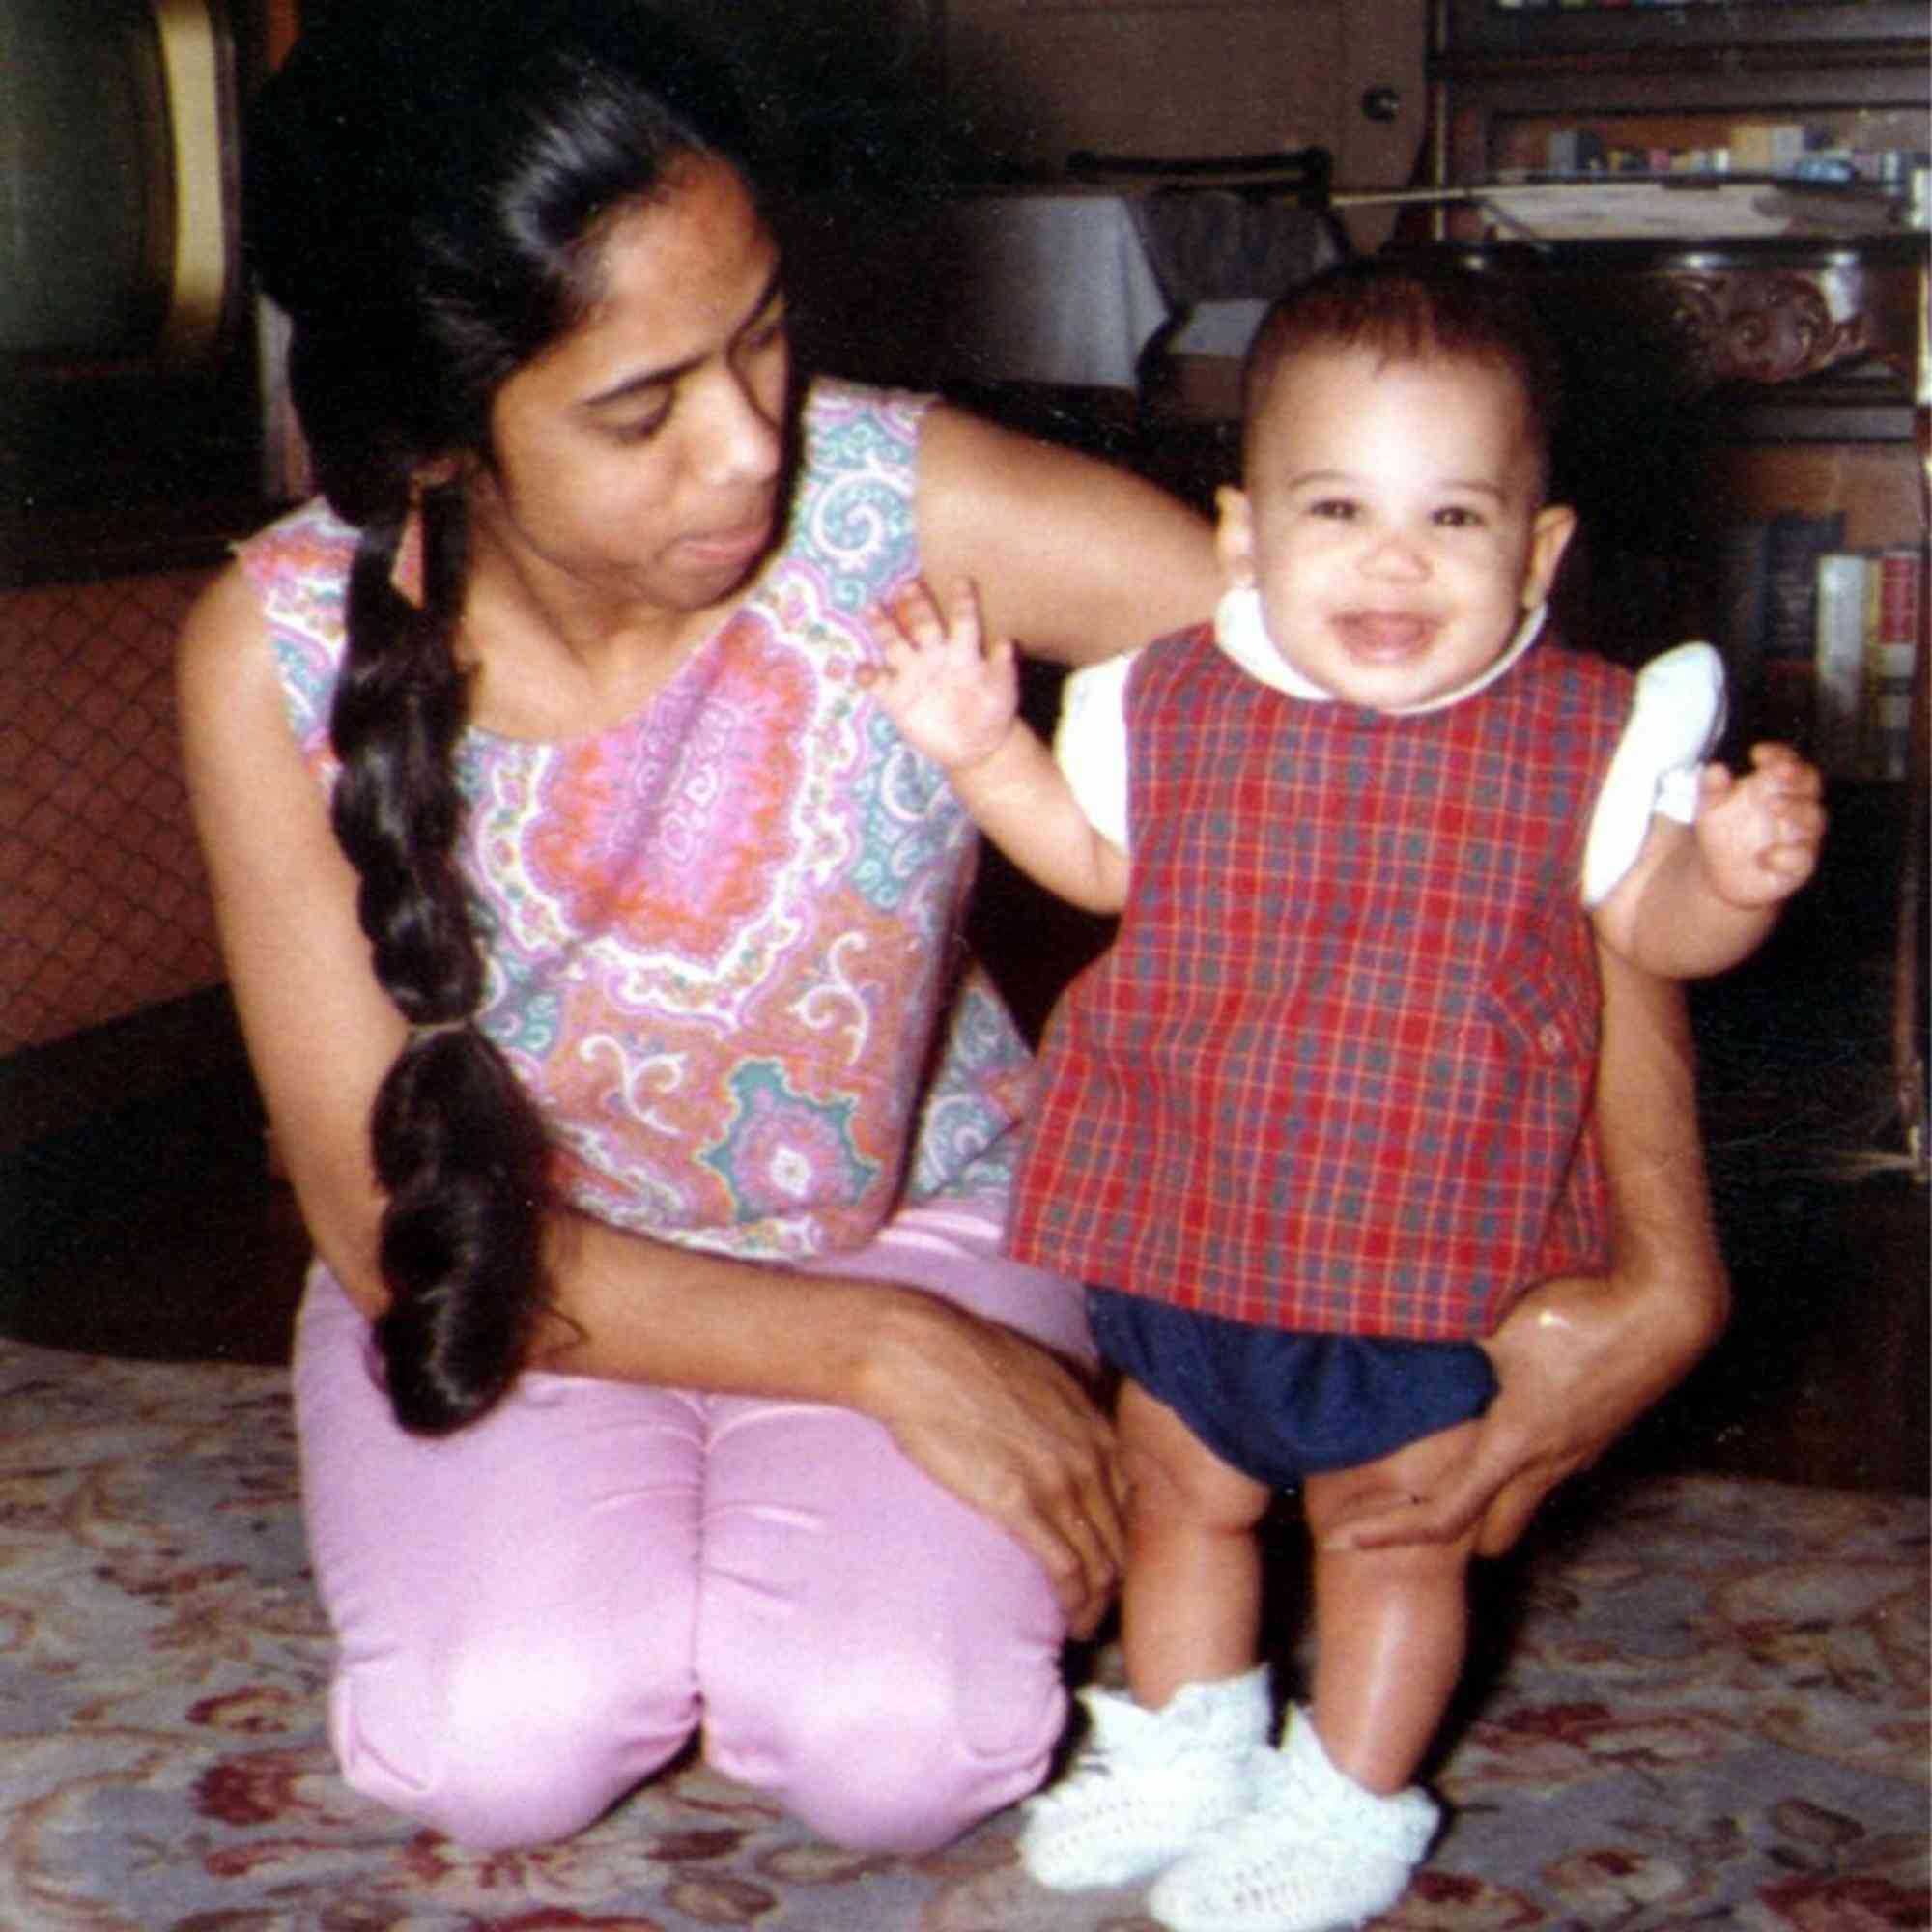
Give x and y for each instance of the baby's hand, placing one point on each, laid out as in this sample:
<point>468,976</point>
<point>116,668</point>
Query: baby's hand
<point>1759,834</point>
<point>951,698</point>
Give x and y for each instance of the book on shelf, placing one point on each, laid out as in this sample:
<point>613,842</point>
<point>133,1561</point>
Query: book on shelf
<point>1785,648</point>
<point>1896,624</point>
<point>1867,622</point>
<point>1740,615</point>
<point>1844,589</point>
<point>1821,639</point>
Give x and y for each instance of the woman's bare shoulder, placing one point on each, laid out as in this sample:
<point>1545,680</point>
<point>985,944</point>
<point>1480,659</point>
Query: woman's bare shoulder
<point>238,744</point>
<point>224,636</point>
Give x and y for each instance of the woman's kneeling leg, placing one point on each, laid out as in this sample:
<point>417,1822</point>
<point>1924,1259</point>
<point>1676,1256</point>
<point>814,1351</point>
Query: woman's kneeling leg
<point>879,1658</point>
<point>513,1606</point>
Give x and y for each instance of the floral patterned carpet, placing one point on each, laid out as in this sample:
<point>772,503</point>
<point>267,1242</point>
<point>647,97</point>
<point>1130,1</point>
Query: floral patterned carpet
<point>1711,1709</point>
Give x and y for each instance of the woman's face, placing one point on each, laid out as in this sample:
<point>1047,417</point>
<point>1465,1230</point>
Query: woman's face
<point>638,460</point>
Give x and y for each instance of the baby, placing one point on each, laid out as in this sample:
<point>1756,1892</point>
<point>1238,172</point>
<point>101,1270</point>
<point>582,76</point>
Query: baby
<point>1320,1113</point>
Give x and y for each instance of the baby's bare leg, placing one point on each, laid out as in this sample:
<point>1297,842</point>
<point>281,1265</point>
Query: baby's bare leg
<point>1391,1625</point>
<point>1191,1606</point>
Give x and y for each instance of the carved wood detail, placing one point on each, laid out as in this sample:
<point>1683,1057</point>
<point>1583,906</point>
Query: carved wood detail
<point>1700,317</point>
<point>1764,325</point>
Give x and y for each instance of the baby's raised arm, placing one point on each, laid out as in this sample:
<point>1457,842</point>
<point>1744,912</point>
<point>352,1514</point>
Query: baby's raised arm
<point>1702,897</point>
<point>956,698</point>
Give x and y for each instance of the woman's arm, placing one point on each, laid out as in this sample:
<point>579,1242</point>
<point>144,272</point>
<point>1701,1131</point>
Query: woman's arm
<point>1075,559</point>
<point>989,1415</point>
<point>1578,1359</point>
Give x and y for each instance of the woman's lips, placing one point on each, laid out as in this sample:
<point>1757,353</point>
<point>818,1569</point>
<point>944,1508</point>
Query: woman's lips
<point>719,548</point>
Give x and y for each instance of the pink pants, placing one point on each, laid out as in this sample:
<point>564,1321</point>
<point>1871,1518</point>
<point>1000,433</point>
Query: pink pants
<point>535,1614</point>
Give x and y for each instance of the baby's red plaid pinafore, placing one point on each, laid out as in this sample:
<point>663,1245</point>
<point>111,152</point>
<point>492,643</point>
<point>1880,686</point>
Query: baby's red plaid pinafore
<point>1335,1072</point>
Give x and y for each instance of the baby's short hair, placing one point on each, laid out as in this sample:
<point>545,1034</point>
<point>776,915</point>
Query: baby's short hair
<point>1407,314</point>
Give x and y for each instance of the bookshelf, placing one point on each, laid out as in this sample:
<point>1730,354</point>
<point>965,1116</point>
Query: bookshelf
<point>1720,208</point>
<point>1817,114</point>
<point>1627,28</point>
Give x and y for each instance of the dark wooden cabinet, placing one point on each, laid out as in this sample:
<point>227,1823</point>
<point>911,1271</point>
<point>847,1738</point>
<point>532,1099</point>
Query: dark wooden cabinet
<point>1744,87</point>
<point>1718,381</point>
<point>1711,384</point>
<point>1729,27</point>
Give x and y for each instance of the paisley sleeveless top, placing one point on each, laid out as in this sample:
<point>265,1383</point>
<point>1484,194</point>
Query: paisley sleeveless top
<point>722,936</point>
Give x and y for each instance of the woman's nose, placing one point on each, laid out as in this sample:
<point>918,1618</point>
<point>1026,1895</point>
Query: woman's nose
<point>744,431</point>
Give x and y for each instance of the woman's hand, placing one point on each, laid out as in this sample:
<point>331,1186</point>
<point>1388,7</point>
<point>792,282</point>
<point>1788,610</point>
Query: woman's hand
<point>1578,1360</point>
<point>997,1420</point>
<point>1010,1431</point>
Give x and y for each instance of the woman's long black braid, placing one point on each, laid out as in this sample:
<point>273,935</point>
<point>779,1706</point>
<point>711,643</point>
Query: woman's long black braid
<point>426,189</point>
<point>459,1150</point>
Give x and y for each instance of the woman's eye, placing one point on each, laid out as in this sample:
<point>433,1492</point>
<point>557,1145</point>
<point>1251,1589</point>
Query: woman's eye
<point>1339,508</point>
<point>639,429</point>
<point>766,333</point>
<point>1457,518</point>
<point>644,413</point>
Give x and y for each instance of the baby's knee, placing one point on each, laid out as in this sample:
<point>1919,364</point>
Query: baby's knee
<point>1173,1475</point>
<point>522,1745</point>
<point>899,1754</point>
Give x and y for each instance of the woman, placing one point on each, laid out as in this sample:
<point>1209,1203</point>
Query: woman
<point>595,943</point>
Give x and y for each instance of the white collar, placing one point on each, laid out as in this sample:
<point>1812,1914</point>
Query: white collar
<point>1242,634</point>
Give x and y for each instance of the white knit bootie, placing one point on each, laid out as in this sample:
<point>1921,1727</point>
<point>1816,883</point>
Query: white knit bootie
<point>1148,1783</point>
<point>1316,1853</point>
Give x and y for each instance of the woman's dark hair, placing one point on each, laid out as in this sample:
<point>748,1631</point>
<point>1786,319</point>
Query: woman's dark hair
<point>427,183</point>
<point>1407,314</point>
